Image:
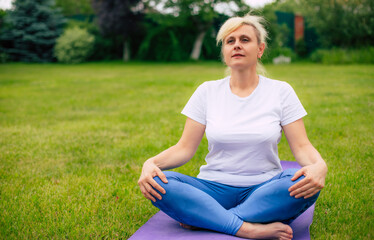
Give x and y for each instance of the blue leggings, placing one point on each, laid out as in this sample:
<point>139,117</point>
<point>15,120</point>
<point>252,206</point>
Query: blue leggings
<point>223,208</point>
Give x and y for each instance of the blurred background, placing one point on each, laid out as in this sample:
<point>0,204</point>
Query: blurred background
<point>72,31</point>
<point>74,137</point>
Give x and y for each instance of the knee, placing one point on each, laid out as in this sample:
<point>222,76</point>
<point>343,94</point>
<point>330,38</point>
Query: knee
<point>287,175</point>
<point>289,172</point>
<point>287,183</point>
<point>170,176</point>
<point>172,187</point>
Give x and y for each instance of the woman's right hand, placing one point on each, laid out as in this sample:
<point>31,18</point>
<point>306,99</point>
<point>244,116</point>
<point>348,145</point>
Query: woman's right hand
<point>172,157</point>
<point>146,182</point>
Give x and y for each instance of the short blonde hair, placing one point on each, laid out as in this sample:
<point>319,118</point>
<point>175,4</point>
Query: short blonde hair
<point>234,23</point>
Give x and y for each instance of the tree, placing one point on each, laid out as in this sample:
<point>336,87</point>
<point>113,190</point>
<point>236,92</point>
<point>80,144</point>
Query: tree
<point>119,17</point>
<point>202,14</point>
<point>75,7</point>
<point>340,23</point>
<point>343,23</point>
<point>2,15</point>
<point>31,30</point>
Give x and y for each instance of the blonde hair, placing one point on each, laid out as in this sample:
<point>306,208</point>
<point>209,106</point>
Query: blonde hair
<point>235,22</point>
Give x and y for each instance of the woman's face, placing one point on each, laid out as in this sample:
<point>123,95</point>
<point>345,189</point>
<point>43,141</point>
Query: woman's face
<point>241,48</point>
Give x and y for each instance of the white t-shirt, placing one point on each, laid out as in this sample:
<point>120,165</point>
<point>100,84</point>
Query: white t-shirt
<point>243,133</point>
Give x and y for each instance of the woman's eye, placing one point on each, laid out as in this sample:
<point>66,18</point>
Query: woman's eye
<point>245,40</point>
<point>230,41</point>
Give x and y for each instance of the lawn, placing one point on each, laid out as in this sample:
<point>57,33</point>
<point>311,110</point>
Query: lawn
<point>73,139</point>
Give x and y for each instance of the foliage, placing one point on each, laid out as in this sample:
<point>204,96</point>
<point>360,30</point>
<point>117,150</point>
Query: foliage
<point>105,47</point>
<point>342,23</point>
<point>280,33</point>
<point>75,7</point>
<point>338,23</point>
<point>277,36</point>
<point>170,39</point>
<point>4,57</point>
<point>74,45</point>
<point>202,15</point>
<point>344,56</point>
<point>276,52</point>
<point>119,18</point>
<point>288,6</point>
<point>210,50</point>
<point>74,138</point>
<point>31,30</point>
<point>2,15</point>
<point>165,42</point>
<point>301,48</point>
<point>162,44</point>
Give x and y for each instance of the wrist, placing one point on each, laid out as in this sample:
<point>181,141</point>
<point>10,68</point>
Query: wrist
<point>153,161</point>
<point>322,164</point>
<point>150,161</point>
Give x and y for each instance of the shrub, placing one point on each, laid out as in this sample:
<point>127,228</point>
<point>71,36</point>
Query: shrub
<point>74,46</point>
<point>344,56</point>
<point>301,48</point>
<point>275,52</point>
<point>165,43</point>
<point>3,57</point>
<point>105,47</point>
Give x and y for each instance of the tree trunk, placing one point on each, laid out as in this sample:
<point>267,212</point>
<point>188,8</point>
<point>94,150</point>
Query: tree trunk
<point>126,50</point>
<point>195,54</point>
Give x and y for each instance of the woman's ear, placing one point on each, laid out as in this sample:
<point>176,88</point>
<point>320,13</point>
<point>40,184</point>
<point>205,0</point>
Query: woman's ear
<point>261,50</point>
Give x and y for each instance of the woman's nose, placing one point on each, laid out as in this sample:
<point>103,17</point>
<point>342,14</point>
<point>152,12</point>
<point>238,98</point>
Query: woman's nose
<point>237,46</point>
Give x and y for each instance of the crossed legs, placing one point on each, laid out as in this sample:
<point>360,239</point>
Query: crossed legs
<point>254,212</point>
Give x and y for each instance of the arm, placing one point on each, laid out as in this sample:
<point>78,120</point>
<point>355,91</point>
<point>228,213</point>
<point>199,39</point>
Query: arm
<point>313,168</point>
<point>172,157</point>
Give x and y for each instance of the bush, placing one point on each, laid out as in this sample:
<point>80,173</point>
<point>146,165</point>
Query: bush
<point>75,45</point>
<point>166,44</point>
<point>344,56</point>
<point>275,52</point>
<point>2,16</point>
<point>3,57</point>
<point>301,48</point>
<point>105,47</point>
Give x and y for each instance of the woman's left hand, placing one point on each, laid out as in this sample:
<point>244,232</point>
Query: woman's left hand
<point>313,182</point>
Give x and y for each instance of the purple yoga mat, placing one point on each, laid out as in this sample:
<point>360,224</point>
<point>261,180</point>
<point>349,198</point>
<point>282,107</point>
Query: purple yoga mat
<point>162,227</point>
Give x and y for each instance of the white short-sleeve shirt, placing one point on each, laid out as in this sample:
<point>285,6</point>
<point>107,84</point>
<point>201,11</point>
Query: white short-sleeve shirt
<point>243,133</point>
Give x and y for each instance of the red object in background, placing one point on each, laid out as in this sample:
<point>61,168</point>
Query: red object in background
<point>299,27</point>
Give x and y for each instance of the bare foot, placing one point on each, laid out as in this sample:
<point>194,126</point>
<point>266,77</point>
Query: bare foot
<point>189,227</point>
<point>275,230</point>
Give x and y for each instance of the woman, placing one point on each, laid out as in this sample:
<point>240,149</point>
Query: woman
<point>242,189</point>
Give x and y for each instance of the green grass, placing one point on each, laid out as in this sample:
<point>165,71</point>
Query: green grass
<point>73,139</point>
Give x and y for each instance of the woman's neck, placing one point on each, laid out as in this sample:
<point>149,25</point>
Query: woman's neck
<point>243,82</point>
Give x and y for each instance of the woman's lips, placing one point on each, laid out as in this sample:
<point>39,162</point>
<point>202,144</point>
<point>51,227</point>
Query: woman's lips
<point>238,55</point>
